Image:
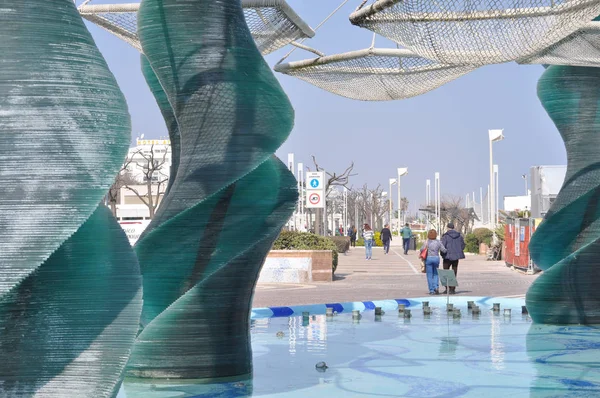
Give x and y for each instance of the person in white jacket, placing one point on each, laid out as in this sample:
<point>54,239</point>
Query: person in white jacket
<point>368,236</point>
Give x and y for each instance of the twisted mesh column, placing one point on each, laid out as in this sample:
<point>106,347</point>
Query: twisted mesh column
<point>201,254</point>
<point>567,245</point>
<point>69,281</point>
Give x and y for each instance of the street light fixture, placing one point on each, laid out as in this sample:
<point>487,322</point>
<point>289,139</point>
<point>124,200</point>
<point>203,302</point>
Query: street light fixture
<point>524,176</point>
<point>392,182</point>
<point>494,136</point>
<point>402,171</point>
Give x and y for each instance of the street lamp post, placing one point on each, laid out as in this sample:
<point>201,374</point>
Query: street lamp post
<point>392,182</point>
<point>438,205</point>
<point>494,136</point>
<point>496,190</point>
<point>402,171</point>
<point>427,202</point>
<point>524,176</point>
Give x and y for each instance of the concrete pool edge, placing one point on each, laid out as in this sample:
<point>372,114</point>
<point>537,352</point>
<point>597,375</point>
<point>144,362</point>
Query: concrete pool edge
<point>386,305</point>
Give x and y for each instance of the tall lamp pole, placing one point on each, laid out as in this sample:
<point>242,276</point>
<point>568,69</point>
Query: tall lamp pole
<point>392,182</point>
<point>496,190</point>
<point>524,176</point>
<point>427,202</point>
<point>402,171</point>
<point>438,205</point>
<point>494,136</point>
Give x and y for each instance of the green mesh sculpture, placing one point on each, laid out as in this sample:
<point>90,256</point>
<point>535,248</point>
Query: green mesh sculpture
<point>70,295</point>
<point>229,197</point>
<point>566,244</point>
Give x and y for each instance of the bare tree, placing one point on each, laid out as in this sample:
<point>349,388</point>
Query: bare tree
<point>122,179</point>
<point>372,205</point>
<point>404,204</point>
<point>452,210</point>
<point>332,180</point>
<point>152,175</point>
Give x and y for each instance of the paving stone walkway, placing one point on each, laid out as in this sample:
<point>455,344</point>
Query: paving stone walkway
<point>393,276</point>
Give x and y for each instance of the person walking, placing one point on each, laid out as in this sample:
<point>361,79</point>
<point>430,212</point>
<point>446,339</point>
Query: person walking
<point>368,236</point>
<point>406,233</point>
<point>432,262</point>
<point>386,238</point>
<point>454,243</point>
<point>352,235</point>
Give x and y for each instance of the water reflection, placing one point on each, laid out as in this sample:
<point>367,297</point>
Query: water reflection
<point>139,388</point>
<point>390,356</point>
<point>566,359</point>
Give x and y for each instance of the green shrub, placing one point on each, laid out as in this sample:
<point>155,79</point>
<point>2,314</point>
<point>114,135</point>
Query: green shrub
<point>479,236</point>
<point>341,242</point>
<point>483,235</point>
<point>376,242</point>
<point>471,244</point>
<point>294,240</point>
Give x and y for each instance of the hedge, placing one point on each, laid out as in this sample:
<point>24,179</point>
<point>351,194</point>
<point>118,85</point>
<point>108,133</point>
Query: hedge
<point>479,235</point>
<point>341,242</point>
<point>294,240</point>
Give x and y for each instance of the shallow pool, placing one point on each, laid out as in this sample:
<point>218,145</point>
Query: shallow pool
<point>490,355</point>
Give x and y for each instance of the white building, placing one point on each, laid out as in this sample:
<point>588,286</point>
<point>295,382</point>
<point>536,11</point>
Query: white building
<point>517,203</point>
<point>546,182</point>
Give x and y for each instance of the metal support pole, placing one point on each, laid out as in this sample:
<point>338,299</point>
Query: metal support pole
<point>489,206</point>
<point>438,205</point>
<point>496,190</point>
<point>399,202</point>
<point>492,206</point>
<point>481,204</point>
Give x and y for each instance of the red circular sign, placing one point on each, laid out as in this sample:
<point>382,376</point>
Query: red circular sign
<point>314,198</point>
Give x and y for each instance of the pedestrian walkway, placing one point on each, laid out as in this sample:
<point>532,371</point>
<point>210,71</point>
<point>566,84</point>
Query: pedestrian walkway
<point>393,276</point>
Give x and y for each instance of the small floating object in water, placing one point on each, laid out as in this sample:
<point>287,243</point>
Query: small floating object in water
<point>280,334</point>
<point>321,365</point>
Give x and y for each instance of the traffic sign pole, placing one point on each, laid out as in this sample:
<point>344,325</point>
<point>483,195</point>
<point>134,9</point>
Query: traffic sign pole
<point>316,197</point>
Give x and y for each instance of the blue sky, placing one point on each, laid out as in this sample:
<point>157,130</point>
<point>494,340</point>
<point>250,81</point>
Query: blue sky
<point>444,130</point>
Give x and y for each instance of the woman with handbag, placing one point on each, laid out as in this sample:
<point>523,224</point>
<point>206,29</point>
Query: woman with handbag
<point>430,252</point>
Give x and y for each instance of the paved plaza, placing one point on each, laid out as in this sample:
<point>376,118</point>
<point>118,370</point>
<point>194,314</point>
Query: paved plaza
<point>393,276</point>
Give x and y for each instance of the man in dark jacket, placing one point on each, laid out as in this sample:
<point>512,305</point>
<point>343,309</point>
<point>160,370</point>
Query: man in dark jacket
<point>455,245</point>
<point>386,238</point>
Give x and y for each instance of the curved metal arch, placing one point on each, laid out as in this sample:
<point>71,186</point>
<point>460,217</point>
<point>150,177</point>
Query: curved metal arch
<point>273,23</point>
<point>374,74</point>
<point>475,32</point>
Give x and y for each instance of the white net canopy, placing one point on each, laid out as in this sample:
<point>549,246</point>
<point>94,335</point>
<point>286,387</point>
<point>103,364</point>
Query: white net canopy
<point>476,32</point>
<point>374,74</point>
<point>582,48</point>
<point>273,23</point>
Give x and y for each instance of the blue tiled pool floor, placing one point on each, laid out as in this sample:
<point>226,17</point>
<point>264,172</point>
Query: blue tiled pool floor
<point>439,356</point>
